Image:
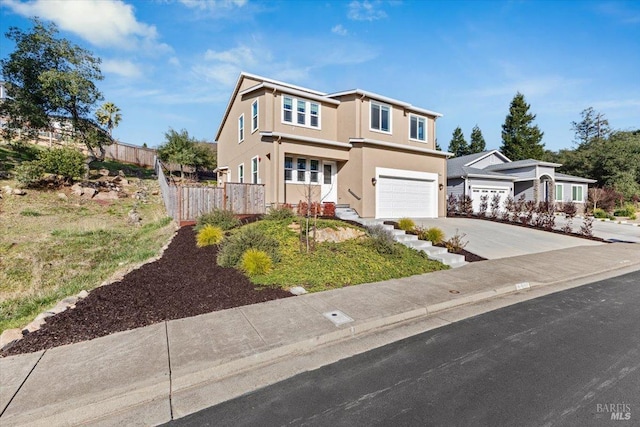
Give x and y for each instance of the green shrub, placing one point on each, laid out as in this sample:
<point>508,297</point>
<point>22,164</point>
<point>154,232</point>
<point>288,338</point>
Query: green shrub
<point>63,161</point>
<point>433,235</point>
<point>255,262</point>
<point>406,224</point>
<point>600,213</point>
<point>381,240</point>
<point>248,237</point>
<point>226,220</point>
<point>456,243</point>
<point>28,174</point>
<point>628,211</point>
<point>279,213</point>
<point>209,235</point>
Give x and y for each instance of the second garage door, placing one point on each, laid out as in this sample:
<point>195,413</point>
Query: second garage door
<point>490,192</point>
<point>401,193</point>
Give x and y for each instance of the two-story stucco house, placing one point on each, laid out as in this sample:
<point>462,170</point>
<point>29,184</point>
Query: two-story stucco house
<point>492,173</point>
<point>356,148</point>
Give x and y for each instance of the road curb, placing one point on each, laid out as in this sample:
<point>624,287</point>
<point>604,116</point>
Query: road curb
<point>190,382</point>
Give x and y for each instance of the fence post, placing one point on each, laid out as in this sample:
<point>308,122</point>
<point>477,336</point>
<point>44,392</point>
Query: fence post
<point>224,196</point>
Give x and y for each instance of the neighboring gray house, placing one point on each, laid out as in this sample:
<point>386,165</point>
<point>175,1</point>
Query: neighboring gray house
<point>491,172</point>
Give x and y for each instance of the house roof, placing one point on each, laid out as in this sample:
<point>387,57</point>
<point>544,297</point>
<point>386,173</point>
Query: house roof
<point>456,165</point>
<point>385,99</point>
<point>565,177</point>
<point>522,164</point>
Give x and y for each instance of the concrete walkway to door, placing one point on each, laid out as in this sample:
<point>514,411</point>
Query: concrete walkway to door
<point>494,240</point>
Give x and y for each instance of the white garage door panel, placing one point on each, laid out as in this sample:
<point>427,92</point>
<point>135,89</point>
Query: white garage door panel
<point>405,197</point>
<point>477,192</point>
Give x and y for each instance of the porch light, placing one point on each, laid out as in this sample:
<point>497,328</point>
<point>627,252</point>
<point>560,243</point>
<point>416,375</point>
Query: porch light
<point>374,181</point>
<point>441,186</point>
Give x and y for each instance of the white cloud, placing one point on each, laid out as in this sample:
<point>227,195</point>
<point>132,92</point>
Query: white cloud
<point>101,22</point>
<point>225,74</point>
<point>174,61</point>
<point>365,11</point>
<point>213,4</point>
<point>122,68</point>
<point>241,56</point>
<point>339,30</point>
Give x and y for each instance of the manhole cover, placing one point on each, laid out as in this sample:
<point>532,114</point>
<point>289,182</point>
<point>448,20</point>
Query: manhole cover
<point>337,317</point>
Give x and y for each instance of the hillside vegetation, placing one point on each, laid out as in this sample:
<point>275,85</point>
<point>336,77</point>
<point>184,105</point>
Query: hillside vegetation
<point>55,243</point>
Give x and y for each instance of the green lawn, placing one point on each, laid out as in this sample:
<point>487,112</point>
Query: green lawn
<point>334,265</point>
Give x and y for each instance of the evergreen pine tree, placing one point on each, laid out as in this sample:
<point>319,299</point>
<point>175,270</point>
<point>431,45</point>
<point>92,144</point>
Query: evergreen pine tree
<point>592,126</point>
<point>438,146</point>
<point>477,144</point>
<point>520,138</point>
<point>458,145</point>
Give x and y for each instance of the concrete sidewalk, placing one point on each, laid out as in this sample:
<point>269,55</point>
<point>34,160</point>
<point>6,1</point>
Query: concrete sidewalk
<point>151,375</point>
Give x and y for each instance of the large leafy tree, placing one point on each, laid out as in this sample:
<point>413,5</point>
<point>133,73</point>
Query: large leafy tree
<point>51,80</point>
<point>458,145</point>
<point>477,145</point>
<point>521,139</point>
<point>183,150</point>
<point>108,115</point>
<point>592,126</point>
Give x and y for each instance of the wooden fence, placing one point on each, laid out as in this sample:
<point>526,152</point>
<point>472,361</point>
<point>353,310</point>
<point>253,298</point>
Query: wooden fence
<point>132,154</point>
<point>185,203</point>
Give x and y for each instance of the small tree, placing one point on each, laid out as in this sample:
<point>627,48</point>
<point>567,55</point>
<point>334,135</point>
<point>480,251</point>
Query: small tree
<point>484,204</point>
<point>183,150</point>
<point>520,138</point>
<point>495,205</point>
<point>458,145</point>
<point>108,115</point>
<point>477,145</point>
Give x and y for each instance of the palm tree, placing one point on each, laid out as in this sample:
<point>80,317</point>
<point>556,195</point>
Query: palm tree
<point>109,115</point>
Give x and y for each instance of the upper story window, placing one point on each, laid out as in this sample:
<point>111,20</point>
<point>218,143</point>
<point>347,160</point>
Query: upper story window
<point>417,128</point>
<point>307,113</point>
<point>254,116</point>
<point>380,117</point>
<point>241,128</point>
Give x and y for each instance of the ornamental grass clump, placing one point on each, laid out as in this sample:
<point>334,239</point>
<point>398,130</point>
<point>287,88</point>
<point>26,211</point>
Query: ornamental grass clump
<point>209,235</point>
<point>433,235</point>
<point>381,240</point>
<point>255,262</point>
<point>406,224</point>
<point>224,219</point>
<point>248,237</point>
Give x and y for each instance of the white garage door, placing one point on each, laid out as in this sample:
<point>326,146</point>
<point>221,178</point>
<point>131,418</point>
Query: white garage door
<point>402,193</point>
<point>477,192</point>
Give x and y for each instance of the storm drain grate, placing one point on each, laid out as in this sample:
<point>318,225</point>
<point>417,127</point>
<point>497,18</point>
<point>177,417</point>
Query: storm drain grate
<point>337,317</point>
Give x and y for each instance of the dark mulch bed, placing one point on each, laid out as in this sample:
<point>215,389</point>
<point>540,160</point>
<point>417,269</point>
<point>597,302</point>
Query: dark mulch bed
<point>185,282</point>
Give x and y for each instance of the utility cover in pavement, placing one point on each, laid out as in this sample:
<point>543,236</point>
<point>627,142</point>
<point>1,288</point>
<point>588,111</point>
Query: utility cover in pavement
<point>337,317</point>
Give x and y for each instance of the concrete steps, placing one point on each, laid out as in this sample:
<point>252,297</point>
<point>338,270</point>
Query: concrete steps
<point>433,252</point>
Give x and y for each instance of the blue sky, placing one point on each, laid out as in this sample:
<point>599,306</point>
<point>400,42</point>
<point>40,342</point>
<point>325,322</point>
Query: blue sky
<point>173,63</point>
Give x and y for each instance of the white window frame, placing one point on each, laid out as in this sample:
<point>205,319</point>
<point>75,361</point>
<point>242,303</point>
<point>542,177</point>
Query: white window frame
<point>381,107</point>
<point>573,199</point>
<point>241,128</point>
<point>255,170</point>
<point>241,173</point>
<point>305,112</point>
<point>561,193</point>
<point>307,171</point>
<point>254,116</point>
<point>418,120</point>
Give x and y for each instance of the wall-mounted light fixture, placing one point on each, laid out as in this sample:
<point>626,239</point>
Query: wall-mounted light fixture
<point>441,186</point>
<point>374,181</point>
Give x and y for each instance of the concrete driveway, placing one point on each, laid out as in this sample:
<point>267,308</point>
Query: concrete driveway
<point>493,240</point>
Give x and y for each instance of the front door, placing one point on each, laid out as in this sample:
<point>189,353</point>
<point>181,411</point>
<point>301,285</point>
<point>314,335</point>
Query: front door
<point>329,182</point>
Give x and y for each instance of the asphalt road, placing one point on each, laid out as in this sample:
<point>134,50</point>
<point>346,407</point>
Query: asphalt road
<point>566,359</point>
